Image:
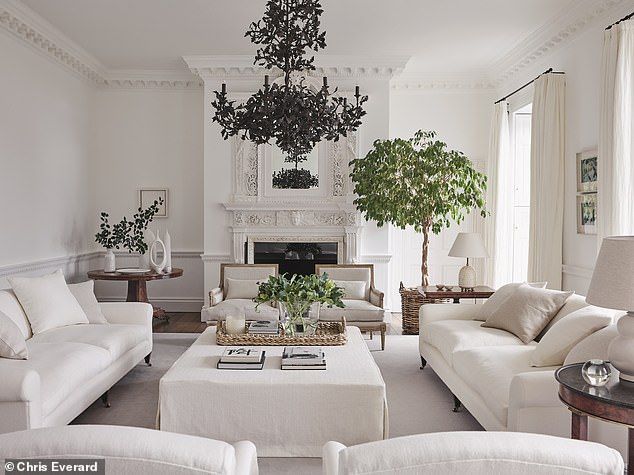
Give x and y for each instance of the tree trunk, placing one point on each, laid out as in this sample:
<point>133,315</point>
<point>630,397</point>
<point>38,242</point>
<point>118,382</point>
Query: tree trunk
<point>424,267</point>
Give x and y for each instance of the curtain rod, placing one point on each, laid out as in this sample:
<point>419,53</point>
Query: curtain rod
<point>549,70</point>
<point>622,19</point>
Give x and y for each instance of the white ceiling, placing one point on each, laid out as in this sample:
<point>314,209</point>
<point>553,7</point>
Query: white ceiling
<point>442,36</point>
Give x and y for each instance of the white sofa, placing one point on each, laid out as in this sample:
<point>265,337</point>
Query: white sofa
<point>220,305</point>
<point>489,372</point>
<point>132,450</point>
<point>69,367</point>
<point>475,453</point>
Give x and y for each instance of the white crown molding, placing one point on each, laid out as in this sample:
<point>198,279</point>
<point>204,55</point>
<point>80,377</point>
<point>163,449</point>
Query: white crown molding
<point>569,24</point>
<point>412,82</point>
<point>242,67</point>
<point>151,79</point>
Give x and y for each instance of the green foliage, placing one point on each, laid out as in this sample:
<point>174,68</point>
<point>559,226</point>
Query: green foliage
<point>128,234</point>
<point>417,182</point>
<point>304,289</point>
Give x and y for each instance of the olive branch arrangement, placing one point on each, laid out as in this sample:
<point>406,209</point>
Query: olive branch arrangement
<point>128,234</point>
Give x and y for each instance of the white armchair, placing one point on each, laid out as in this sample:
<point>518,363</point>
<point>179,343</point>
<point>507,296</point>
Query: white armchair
<point>132,450</point>
<point>238,300</point>
<point>363,310</point>
<point>475,453</point>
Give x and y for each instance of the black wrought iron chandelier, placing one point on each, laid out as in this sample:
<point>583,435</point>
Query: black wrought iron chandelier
<point>291,113</point>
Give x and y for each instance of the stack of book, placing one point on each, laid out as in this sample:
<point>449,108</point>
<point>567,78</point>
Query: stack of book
<point>242,358</point>
<point>303,357</point>
<point>264,327</point>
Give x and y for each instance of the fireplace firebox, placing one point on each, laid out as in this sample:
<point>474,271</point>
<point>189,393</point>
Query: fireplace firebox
<point>295,257</point>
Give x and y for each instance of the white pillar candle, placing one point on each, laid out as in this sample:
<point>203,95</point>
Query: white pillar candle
<point>235,324</point>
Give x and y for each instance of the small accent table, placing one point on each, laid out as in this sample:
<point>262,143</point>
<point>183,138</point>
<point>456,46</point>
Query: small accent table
<point>613,402</point>
<point>479,292</point>
<point>137,284</point>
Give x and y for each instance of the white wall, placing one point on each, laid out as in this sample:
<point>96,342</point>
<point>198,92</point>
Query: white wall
<point>153,138</point>
<point>462,119</point>
<point>45,128</point>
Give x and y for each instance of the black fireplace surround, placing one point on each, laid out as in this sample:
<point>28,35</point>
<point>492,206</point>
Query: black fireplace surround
<point>295,257</point>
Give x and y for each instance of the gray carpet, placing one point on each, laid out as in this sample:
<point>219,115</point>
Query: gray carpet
<point>418,401</point>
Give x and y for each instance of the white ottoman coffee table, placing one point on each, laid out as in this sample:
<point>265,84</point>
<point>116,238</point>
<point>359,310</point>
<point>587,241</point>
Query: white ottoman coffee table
<point>284,413</point>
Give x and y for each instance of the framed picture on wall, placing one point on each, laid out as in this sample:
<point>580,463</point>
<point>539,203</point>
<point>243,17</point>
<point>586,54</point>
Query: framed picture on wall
<point>147,196</point>
<point>587,213</point>
<point>587,171</point>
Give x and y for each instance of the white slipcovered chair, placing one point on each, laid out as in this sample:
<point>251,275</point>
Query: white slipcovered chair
<point>363,304</point>
<point>475,453</point>
<point>236,291</point>
<point>132,450</point>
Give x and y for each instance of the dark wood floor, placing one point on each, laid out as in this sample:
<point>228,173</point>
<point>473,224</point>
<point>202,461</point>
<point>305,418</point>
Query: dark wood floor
<point>189,322</point>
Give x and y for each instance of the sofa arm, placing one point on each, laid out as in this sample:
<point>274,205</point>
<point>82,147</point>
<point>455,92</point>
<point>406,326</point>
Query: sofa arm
<point>534,389</point>
<point>246,458</point>
<point>435,312</point>
<point>330,458</point>
<point>376,297</point>
<point>18,384</point>
<point>215,296</point>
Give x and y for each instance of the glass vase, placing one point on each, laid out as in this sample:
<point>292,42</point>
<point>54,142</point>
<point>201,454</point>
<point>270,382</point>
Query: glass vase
<point>299,317</point>
<point>596,372</point>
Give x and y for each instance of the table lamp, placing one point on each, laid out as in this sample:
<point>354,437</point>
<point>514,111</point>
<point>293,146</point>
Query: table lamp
<point>612,286</point>
<point>468,245</point>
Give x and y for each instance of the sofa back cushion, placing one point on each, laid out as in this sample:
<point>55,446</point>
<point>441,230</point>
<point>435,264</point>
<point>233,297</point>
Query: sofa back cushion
<point>567,332</point>
<point>594,346</point>
<point>527,311</point>
<point>241,289</point>
<point>353,289</point>
<point>12,342</point>
<point>10,305</point>
<point>47,301</point>
<point>499,296</point>
<point>84,292</point>
<point>350,273</point>
<point>574,303</point>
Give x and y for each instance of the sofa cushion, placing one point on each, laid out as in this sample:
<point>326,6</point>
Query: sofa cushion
<point>240,307</point>
<point>10,305</point>
<point>527,312</point>
<point>84,292</point>
<point>575,302</point>
<point>354,311</point>
<point>499,296</point>
<point>47,301</point>
<point>116,339</point>
<point>63,368</point>
<point>352,289</point>
<point>241,289</point>
<point>567,332</point>
<point>490,370</point>
<point>12,343</point>
<point>449,336</point>
<point>593,347</point>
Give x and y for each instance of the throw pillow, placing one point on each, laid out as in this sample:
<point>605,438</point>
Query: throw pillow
<point>12,344</point>
<point>499,296</point>
<point>241,289</point>
<point>84,292</point>
<point>567,332</point>
<point>352,289</point>
<point>527,311</point>
<point>47,301</point>
<point>592,347</point>
<point>574,303</point>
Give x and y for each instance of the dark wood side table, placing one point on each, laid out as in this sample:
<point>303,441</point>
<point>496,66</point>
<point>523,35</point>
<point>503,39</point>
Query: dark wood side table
<point>137,284</point>
<point>613,402</point>
<point>479,292</point>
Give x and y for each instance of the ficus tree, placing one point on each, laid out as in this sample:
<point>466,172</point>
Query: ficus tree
<point>417,182</point>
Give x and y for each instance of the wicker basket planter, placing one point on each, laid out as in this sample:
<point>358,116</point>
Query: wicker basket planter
<point>411,300</point>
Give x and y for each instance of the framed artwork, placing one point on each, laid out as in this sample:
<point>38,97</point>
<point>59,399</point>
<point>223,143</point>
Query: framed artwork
<point>587,213</point>
<point>587,171</point>
<point>147,196</point>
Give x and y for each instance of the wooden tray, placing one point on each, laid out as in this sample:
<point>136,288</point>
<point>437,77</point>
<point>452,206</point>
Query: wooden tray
<point>327,334</point>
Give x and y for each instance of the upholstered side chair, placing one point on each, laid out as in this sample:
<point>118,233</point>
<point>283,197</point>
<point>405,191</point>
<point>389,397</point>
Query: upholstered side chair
<point>363,302</point>
<point>235,293</point>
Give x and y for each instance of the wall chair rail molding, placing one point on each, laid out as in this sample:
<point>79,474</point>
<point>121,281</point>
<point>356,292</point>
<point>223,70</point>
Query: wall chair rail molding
<point>70,264</point>
<point>577,271</point>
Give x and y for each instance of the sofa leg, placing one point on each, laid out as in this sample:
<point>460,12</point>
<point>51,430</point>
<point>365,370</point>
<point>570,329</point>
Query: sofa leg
<point>423,363</point>
<point>371,334</point>
<point>456,404</point>
<point>383,329</point>
<point>147,359</point>
<point>104,399</point>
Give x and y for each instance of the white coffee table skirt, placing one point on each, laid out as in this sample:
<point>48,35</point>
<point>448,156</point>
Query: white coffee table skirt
<point>284,413</point>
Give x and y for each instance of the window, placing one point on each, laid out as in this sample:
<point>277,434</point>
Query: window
<point>521,181</point>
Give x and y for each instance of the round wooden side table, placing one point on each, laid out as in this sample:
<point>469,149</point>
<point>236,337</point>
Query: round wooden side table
<point>137,283</point>
<point>613,402</point>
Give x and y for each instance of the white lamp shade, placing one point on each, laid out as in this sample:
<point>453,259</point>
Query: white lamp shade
<point>612,284</point>
<point>468,245</point>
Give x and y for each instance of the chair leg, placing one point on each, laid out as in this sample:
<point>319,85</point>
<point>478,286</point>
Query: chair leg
<point>147,359</point>
<point>383,328</point>
<point>423,363</point>
<point>104,399</point>
<point>371,335</point>
<point>456,404</point>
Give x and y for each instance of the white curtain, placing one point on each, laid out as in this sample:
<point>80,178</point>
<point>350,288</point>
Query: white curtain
<point>498,226</point>
<point>547,180</point>
<point>615,197</point>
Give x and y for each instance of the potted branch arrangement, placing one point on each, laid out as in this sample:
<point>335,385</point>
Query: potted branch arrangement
<point>417,182</point>
<point>125,234</point>
<point>299,299</point>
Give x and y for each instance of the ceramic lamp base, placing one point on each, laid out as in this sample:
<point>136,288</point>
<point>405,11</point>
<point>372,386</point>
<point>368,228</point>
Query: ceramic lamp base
<point>467,278</point>
<point>621,349</point>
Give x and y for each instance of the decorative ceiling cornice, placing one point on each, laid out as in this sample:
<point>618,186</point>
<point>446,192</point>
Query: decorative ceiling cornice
<point>571,23</point>
<point>241,67</point>
<point>441,82</point>
<point>170,80</point>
